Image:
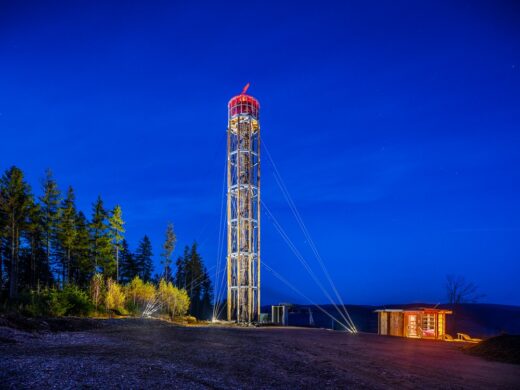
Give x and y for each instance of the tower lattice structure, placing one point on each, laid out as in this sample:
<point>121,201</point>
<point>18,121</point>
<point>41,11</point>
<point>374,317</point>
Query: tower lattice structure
<point>243,209</point>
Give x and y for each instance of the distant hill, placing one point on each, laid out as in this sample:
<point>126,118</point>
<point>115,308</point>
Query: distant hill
<point>477,319</point>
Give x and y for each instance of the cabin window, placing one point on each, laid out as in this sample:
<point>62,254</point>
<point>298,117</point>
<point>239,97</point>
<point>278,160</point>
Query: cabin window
<point>428,325</point>
<point>412,325</point>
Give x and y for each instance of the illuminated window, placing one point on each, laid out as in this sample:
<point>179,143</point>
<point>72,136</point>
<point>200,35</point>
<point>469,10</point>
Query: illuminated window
<point>428,325</point>
<point>440,324</point>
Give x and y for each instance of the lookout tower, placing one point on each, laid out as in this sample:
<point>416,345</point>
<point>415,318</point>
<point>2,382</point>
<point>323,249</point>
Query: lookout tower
<point>243,209</point>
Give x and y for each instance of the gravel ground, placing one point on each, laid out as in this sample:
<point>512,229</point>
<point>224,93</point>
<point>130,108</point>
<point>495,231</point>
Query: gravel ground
<point>139,354</point>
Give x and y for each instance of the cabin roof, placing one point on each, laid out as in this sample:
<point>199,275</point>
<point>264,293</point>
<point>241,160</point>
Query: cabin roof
<point>415,309</point>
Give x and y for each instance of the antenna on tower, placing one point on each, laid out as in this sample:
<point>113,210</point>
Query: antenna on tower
<point>245,89</point>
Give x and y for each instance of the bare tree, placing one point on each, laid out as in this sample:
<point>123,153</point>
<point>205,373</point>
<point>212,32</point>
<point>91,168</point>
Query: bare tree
<point>97,286</point>
<point>458,290</point>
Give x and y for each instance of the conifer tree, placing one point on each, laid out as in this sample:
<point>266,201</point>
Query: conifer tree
<point>143,256</point>
<point>49,201</point>
<point>169,247</point>
<point>101,246</point>
<point>194,276</point>
<point>67,234</point>
<point>84,268</point>
<point>15,204</point>
<point>36,269</point>
<point>128,264</point>
<point>207,296</point>
<point>182,265</point>
<point>117,230</point>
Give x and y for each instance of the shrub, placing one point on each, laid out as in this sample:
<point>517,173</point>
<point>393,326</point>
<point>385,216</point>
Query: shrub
<point>75,300</point>
<point>183,302</point>
<point>36,304</point>
<point>174,300</point>
<point>139,295</point>
<point>57,303</point>
<point>147,293</point>
<point>132,292</point>
<point>115,298</point>
<point>71,301</point>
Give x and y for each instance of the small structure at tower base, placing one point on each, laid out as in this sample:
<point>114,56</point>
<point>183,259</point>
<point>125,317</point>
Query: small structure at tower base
<point>280,315</point>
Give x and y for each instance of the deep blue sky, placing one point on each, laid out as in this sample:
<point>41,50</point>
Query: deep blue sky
<point>394,124</point>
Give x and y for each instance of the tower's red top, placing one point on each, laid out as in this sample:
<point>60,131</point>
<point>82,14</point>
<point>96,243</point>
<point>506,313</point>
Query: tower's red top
<point>244,104</point>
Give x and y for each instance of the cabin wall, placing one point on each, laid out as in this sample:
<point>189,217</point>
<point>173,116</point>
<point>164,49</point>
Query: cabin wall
<point>383,323</point>
<point>396,324</point>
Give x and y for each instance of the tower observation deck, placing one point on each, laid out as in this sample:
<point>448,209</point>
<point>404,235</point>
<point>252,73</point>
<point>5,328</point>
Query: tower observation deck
<point>243,209</point>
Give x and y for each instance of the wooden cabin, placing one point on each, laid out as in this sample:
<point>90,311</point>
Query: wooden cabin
<point>422,323</point>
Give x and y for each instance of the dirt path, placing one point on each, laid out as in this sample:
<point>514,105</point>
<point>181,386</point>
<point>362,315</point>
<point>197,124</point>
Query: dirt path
<point>146,354</point>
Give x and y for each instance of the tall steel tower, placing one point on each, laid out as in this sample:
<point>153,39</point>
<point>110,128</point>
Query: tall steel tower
<point>243,209</point>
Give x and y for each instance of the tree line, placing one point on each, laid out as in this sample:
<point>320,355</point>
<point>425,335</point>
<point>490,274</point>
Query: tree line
<point>46,242</point>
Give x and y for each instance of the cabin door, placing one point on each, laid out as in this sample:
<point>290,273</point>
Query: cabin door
<point>412,325</point>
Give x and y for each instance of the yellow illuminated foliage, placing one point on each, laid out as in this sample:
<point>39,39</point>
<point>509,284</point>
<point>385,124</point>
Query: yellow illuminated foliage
<point>114,298</point>
<point>174,300</point>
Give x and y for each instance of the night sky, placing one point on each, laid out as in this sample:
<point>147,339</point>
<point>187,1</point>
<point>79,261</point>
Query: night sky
<point>395,125</point>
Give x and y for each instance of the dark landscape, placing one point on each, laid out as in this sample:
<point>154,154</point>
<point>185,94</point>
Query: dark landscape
<point>132,353</point>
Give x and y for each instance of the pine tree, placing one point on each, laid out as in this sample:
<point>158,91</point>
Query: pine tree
<point>101,246</point>
<point>15,203</point>
<point>143,256</point>
<point>169,247</point>
<point>84,268</point>
<point>67,234</point>
<point>207,296</point>
<point>194,277</point>
<point>191,276</point>
<point>128,263</point>
<point>116,229</point>
<point>35,270</point>
<point>182,264</point>
<point>49,201</point>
